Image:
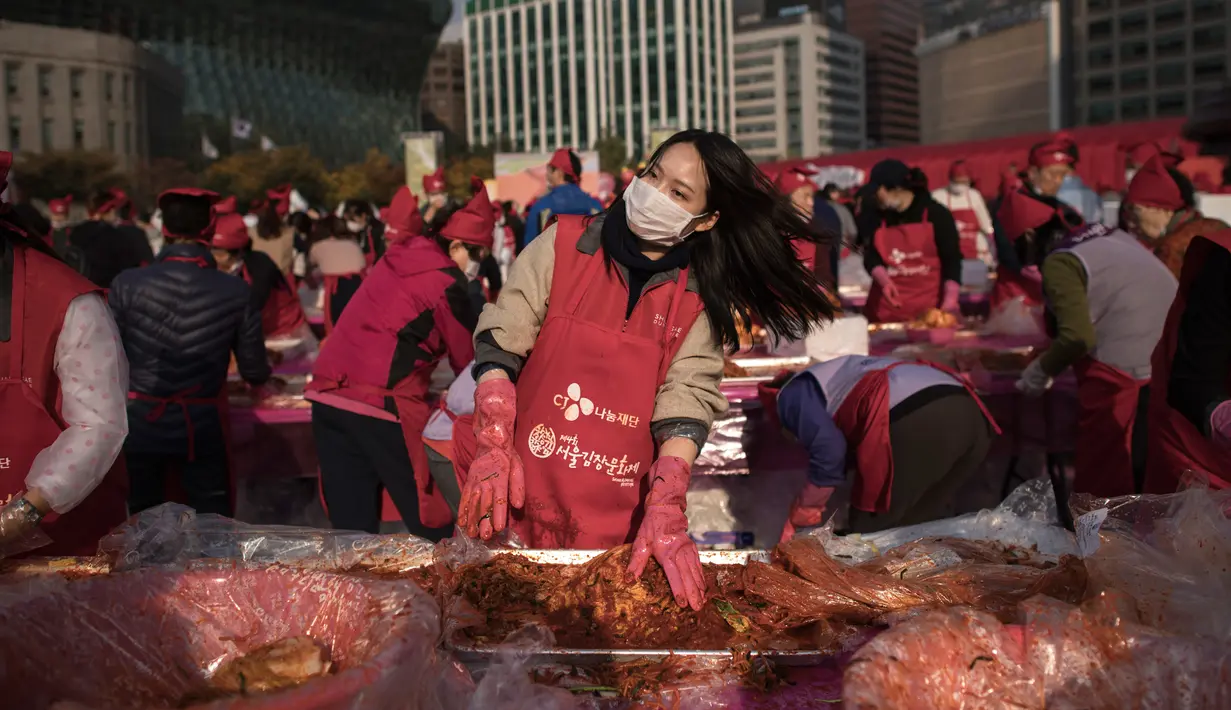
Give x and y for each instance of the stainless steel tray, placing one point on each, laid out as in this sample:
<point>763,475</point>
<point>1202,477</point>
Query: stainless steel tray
<point>761,369</point>
<point>476,656</point>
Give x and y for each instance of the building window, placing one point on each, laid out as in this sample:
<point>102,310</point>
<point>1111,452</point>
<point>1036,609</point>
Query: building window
<point>14,133</point>
<point>49,134</point>
<point>44,82</point>
<point>1102,84</point>
<point>1135,109</point>
<point>1132,23</point>
<point>109,87</point>
<point>128,138</point>
<point>1207,38</point>
<point>127,91</point>
<point>1209,10</point>
<point>1171,105</point>
<point>111,136</point>
<point>1134,80</point>
<point>1099,57</point>
<point>79,134</point>
<point>1098,5</point>
<point>75,79</point>
<point>1210,69</point>
<point>1099,30</point>
<point>1134,51</point>
<point>1173,74</point>
<point>1168,16</point>
<point>1172,45</point>
<point>11,85</point>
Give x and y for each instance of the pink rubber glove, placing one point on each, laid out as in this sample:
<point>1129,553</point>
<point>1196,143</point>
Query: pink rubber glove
<point>808,510</point>
<point>664,533</point>
<point>881,276</point>
<point>949,302</point>
<point>496,476</point>
<point>1032,273</point>
<point>1220,425</point>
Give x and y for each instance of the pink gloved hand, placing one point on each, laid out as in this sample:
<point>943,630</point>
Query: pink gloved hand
<point>808,510</point>
<point>1220,425</point>
<point>949,300</point>
<point>496,476</point>
<point>664,533</point>
<point>1032,273</point>
<point>890,291</point>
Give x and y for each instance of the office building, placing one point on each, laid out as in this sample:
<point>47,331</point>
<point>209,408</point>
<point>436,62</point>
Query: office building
<point>987,79</point>
<point>1131,60</point>
<point>547,73</point>
<point>340,78</point>
<point>798,88</point>
<point>941,16</point>
<point>831,13</point>
<point>443,96</point>
<point>889,31</point>
<point>78,90</point>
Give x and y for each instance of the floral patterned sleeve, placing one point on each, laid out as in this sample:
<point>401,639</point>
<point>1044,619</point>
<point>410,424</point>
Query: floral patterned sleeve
<point>93,372</point>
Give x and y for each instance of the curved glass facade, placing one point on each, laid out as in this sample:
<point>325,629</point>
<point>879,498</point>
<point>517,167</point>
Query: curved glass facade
<point>340,77</point>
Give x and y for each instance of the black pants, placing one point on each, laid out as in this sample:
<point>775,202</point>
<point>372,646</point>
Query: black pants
<point>444,477</point>
<point>1140,439</point>
<point>347,287</point>
<point>935,449</point>
<point>360,457</point>
<point>204,482</point>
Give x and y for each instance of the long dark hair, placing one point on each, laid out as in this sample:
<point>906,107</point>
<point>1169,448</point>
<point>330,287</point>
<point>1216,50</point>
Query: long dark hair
<point>270,224</point>
<point>745,266</point>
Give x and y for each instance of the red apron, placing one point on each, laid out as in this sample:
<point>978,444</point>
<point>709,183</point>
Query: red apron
<point>967,221</point>
<point>29,428</point>
<point>585,402</point>
<point>331,288</point>
<point>1179,452</point>
<point>283,313</point>
<point>1010,285</point>
<point>805,251</point>
<point>864,420</point>
<point>909,252</point>
<point>1106,413</point>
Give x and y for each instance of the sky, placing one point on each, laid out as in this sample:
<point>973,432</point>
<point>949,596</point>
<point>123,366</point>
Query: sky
<point>454,30</point>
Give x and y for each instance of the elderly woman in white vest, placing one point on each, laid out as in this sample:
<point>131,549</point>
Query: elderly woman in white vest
<point>1107,301</point>
<point>913,432</point>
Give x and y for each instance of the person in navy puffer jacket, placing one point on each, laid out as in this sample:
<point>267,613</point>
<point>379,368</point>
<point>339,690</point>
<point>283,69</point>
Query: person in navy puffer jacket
<point>565,197</point>
<point>179,319</point>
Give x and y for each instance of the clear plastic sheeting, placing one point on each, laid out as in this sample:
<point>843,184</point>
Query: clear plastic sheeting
<point>1015,317</point>
<point>506,682</point>
<point>1027,518</point>
<point>174,535</point>
<point>1062,658</point>
<point>1170,553</point>
<point>152,638</point>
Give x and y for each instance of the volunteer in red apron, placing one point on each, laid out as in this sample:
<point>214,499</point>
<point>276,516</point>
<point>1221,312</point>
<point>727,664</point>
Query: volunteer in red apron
<point>59,210</point>
<point>1190,418</point>
<point>369,385</point>
<point>281,312</point>
<point>367,231</point>
<point>1018,261</point>
<point>180,319</point>
<point>1108,299</point>
<point>598,367</point>
<point>438,205</point>
<point>1161,209</point>
<point>334,253</point>
<point>974,224</point>
<point>914,432</point>
<point>62,381</point>
<point>796,184</point>
<point>910,248</point>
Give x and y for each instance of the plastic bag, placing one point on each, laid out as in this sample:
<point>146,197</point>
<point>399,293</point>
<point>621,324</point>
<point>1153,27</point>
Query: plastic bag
<point>506,683</point>
<point>173,535</point>
<point>148,638</point>
<point>1014,317</point>
<point>1027,518</point>
<point>1062,658</point>
<point>1170,553</point>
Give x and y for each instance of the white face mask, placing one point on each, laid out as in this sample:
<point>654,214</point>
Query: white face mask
<point>653,216</point>
<point>355,227</point>
<point>958,188</point>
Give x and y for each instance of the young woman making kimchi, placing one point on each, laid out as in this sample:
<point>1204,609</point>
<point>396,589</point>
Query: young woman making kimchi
<point>598,367</point>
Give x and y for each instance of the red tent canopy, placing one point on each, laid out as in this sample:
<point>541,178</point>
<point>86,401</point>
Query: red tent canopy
<point>1103,151</point>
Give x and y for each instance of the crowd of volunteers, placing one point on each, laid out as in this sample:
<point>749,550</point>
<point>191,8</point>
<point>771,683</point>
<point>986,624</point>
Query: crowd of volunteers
<point>589,343</point>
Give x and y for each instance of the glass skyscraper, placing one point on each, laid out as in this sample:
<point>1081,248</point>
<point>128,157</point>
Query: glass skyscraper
<point>338,77</point>
<point>542,74</point>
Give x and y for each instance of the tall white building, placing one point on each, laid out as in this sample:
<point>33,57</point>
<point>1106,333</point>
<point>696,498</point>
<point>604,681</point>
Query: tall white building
<point>799,88</point>
<point>541,74</point>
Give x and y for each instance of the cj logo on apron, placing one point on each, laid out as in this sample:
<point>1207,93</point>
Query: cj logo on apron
<point>544,443</point>
<point>907,263</point>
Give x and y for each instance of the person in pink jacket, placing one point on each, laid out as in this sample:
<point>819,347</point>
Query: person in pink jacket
<point>370,383</point>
